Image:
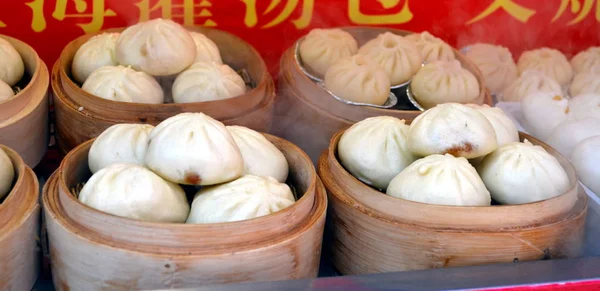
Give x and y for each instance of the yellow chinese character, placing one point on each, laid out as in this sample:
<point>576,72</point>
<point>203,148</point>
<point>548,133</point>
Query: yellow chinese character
<point>2,24</point>
<point>358,17</point>
<point>97,14</point>
<point>582,12</point>
<point>515,10</point>
<point>251,17</point>
<point>189,8</point>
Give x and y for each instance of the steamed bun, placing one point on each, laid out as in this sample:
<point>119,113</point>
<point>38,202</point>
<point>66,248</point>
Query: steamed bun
<point>7,174</point>
<point>358,79</point>
<point>586,105</point>
<point>124,84</point>
<point>530,82</point>
<point>543,112</point>
<point>398,57</point>
<point>159,47</point>
<point>431,47</point>
<point>322,48</point>
<point>6,92</point>
<point>206,49</point>
<point>245,198</point>
<point>584,83</point>
<point>207,82</point>
<point>120,143</point>
<point>97,52</point>
<point>12,67</point>
<point>519,173</point>
<point>443,82</point>
<point>135,192</point>
<point>194,149</point>
<point>452,128</point>
<point>568,134</point>
<point>441,180</point>
<point>496,63</point>
<point>261,157</point>
<point>586,61</point>
<point>549,61</point>
<point>585,159</point>
<point>375,150</point>
<point>505,128</point>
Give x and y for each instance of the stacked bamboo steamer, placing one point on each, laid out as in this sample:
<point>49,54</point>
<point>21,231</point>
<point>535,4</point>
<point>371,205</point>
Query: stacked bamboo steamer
<point>24,117</point>
<point>374,232</point>
<point>308,116</point>
<point>92,250</point>
<point>19,228</point>
<point>81,116</point>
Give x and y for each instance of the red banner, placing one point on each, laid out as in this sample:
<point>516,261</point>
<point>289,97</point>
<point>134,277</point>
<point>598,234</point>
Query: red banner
<point>273,25</point>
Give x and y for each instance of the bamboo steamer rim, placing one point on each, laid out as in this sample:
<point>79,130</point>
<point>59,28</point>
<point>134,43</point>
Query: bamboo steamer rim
<point>337,108</point>
<point>21,199</point>
<point>112,110</point>
<point>306,211</point>
<point>17,103</point>
<point>501,218</point>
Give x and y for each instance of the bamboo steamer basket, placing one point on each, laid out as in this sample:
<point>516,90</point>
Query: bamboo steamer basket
<point>81,116</point>
<point>19,229</point>
<point>24,118</point>
<point>91,250</point>
<point>374,232</point>
<point>308,116</point>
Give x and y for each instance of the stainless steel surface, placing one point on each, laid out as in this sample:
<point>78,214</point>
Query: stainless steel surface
<point>391,102</point>
<point>412,99</point>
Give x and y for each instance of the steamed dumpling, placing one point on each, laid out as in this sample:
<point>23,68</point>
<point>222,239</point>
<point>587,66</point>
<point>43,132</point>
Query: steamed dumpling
<point>321,48</point>
<point>431,47</point>
<point>586,105</point>
<point>135,192</point>
<point>207,82</point>
<point>245,198</point>
<point>441,180</point>
<point>505,128</point>
<point>358,79</point>
<point>530,82</point>
<point>398,57</point>
<point>124,84</point>
<point>519,173</point>
<point>543,112</point>
<point>549,61</point>
<point>11,64</point>
<point>261,157</point>
<point>206,49</point>
<point>586,61</point>
<point>585,83</point>
<point>7,174</point>
<point>568,134</point>
<point>496,63</point>
<point>375,150</point>
<point>97,52</point>
<point>444,82</point>
<point>452,128</point>
<point>159,47</point>
<point>6,92</point>
<point>120,143</point>
<point>585,159</point>
<point>194,149</point>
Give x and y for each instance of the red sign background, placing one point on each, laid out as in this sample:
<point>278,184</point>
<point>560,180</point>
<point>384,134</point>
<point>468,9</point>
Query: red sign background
<point>273,25</point>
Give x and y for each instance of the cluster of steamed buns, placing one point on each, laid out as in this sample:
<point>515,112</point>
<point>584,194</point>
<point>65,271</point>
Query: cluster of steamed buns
<point>365,74</point>
<point>138,171</point>
<point>131,66</point>
<point>11,69</point>
<point>452,154</point>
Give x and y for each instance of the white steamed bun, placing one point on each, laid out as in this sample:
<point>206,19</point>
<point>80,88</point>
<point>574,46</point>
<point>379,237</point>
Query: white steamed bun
<point>7,173</point>
<point>321,48</point>
<point>135,192</point>
<point>120,143</point>
<point>375,150</point>
<point>245,198</point>
<point>11,64</point>
<point>549,61</point>
<point>519,173</point>
<point>586,105</point>
<point>495,63</point>
<point>441,180</point>
<point>568,134</point>
<point>97,52</point>
<point>585,83</point>
<point>431,47</point>
<point>123,84</point>
<point>261,157</point>
<point>207,82</point>
<point>194,149</point>
<point>543,112</point>
<point>528,83</point>
<point>206,49</point>
<point>586,61</point>
<point>6,92</point>
<point>159,47</point>
<point>505,128</point>
<point>585,159</point>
